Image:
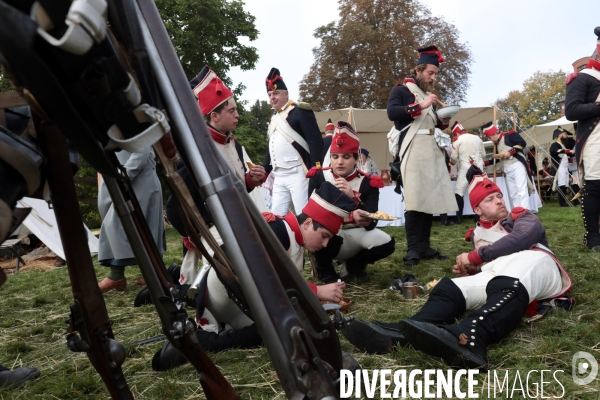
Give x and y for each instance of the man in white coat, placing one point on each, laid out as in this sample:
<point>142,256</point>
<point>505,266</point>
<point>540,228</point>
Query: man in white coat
<point>467,149</point>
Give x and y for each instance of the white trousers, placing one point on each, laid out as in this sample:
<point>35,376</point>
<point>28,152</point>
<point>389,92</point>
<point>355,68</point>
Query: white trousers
<point>536,270</point>
<point>222,308</point>
<point>290,186</point>
<point>357,239</point>
<point>591,156</point>
<point>562,173</point>
<point>516,183</point>
<point>461,179</point>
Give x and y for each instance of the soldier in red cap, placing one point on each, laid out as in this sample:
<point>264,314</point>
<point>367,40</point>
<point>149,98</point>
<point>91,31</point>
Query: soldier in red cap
<point>467,149</point>
<point>582,104</point>
<point>359,242</point>
<point>510,268</point>
<point>222,323</point>
<point>518,178</point>
<point>219,109</point>
<point>426,184</point>
<point>295,145</point>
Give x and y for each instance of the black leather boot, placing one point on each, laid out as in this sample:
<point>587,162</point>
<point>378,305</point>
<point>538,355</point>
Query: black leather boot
<point>445,304</point>
<point>460,201</point>
<point>562,196</point>
<point>245,338</point>
<point>590,210</point>
<point>464,345</point>
<point>357,265</point>
<point>323,260</point>
<point>17,376</point>
<point>372,337</point>
<point>413,226</point>
<point>445,221</point>
<point>425,249</point>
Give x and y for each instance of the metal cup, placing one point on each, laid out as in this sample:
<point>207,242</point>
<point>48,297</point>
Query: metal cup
<point>410,290</point>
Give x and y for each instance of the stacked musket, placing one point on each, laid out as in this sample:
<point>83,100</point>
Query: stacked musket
<point>124,88</point>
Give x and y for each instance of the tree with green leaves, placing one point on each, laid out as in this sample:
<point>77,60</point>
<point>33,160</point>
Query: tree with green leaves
<point>537,102</point>
<point>209,32</point>
<point>252,129</point>
<point>373,47</point>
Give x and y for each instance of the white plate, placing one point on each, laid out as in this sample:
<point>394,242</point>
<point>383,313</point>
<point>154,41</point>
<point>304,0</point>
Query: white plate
<point>447,112</point>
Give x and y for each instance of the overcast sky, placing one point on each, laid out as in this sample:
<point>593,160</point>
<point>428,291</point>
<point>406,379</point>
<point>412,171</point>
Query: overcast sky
<point>509,40</point>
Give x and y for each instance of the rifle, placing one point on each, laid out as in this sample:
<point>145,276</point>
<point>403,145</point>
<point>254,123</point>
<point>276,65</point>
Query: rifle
<point>300,337</point>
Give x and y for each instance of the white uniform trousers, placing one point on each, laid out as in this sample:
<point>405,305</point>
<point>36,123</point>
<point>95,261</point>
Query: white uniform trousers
<point>222,308</point>
<point>562,173</point>
<point>461,179</point>
<point>591,156</point>
<point>536,270</point>
<point>290,185</point>
<point>516,183</point>
<point>358,239</point>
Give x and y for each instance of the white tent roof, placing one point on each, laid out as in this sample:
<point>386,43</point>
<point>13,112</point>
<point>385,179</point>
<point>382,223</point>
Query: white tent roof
<point>42,223</point>
<point>376,120</point>
<point>373,125</point>
<point>542,133</point>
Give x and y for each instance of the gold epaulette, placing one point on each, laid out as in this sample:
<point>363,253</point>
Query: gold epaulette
<point>304,106</point>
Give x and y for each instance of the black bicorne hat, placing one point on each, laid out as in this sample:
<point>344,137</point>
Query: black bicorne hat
<point>430,55</point>
<point>274,81</point>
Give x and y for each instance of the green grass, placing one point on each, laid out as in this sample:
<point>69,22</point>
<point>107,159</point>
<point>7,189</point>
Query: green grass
<point>34,306</point>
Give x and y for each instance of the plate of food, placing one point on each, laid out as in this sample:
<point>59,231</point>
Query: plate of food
<point>380,216</point>
<point>447,111</point>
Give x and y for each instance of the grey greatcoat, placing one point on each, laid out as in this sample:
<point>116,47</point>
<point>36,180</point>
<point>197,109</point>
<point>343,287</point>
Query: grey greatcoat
<point>114,248</point>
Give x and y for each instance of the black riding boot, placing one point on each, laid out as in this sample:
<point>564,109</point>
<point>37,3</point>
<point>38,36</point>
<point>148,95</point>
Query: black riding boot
<point>590,209</point>
<point>245,338</point>
<point>445,221</point>
<point>445,304</point>
<point>464,345</point>
<point>323,260</point>
<point>562,196</point>
<point>413,225</point>
<point>357,265</point>
<point>460,201</point>
<point>425,249</point>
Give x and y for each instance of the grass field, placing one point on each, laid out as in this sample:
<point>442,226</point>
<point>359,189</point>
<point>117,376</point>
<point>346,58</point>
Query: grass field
<point>34,306</point>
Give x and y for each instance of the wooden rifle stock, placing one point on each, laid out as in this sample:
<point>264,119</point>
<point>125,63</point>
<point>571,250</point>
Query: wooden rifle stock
<point>89,316</point>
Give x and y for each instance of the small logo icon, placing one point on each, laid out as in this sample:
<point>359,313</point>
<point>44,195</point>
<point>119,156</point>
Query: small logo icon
<point>584,364</point>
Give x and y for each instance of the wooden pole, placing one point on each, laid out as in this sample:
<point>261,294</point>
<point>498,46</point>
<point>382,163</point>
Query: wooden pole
<point>514,121</point>
<point>537,172</point>
<point>495,148</point>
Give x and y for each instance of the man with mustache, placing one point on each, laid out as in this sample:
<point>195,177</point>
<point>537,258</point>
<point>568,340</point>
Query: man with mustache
<point>582,104</point>
<point>510,268</point>
<point>426,183</point>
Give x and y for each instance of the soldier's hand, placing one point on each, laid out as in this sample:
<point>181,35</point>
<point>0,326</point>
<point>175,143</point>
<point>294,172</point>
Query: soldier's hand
<point>257,173</point>
<point>359,217</point>
<point>344,187</point>
<point>459,270</point>
<point>332,292</point>
<point>463,259</point>
<point>429,100</point>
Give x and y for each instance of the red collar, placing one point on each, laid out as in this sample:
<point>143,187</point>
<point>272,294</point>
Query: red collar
<point>218,136</point>
<point>487,224</point>
<point>349,177</point>
<point>409,79</point>
<point>292,221</point>
<point>593,64</point>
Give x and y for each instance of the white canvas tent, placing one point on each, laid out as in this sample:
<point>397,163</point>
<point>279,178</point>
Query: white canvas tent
<point>373,126</point>
<point>542,134</point>
<point>42,223</point>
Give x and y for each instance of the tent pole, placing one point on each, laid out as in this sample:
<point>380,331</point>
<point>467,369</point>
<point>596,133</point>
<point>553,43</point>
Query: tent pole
<point>495,148</point>
<point>514,121</point>
<point>537,172</point>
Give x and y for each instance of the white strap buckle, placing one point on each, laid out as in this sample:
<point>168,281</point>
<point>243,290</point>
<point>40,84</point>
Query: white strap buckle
<point>86,23</point>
